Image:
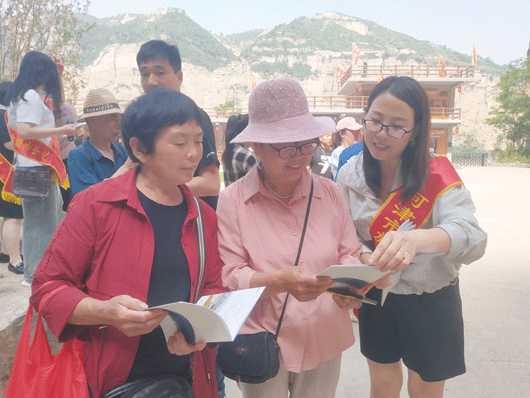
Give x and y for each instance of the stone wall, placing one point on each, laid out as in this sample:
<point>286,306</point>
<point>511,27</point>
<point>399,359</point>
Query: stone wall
<point>9,338</point>
<point>477,100</point>
<point>14,298</point>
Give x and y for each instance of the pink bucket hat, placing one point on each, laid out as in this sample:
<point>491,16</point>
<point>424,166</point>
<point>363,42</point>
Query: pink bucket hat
<point>278,113</point>
<point>348,123</point>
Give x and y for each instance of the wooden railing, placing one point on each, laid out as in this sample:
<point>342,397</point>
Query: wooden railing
<point>224,112</point>
<point>446,113</point>
<point>415,71</point>
<point>336,102</point>
<point>315,103</point>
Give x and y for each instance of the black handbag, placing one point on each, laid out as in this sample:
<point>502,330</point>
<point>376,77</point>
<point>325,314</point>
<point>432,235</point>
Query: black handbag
<point>255,358</point>
<point>32,182</point>
<point>167,386</point>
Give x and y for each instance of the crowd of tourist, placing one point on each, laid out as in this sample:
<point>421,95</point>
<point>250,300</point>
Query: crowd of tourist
<point>101,216</point>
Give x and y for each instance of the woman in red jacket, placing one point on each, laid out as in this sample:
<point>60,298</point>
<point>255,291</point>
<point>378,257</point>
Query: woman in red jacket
<point>131,242</point>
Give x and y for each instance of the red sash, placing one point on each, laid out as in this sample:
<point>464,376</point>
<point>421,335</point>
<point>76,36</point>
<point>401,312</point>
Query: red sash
<point>394,212</point>
<point>6,172</point>
<point>40,152</point>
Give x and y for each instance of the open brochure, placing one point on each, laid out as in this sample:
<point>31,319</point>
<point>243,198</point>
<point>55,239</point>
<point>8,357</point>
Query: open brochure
<point>213,319</point>
<point>355,281</point>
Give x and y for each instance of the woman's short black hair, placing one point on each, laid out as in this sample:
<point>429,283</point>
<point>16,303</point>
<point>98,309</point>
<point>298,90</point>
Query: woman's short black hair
<point>4,89</point>
<point>415,158</point>
<point>37,69</point>
<point>159,49</point>
<point>151,112</point>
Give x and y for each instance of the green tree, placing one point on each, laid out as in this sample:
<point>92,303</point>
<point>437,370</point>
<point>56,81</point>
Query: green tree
<point>512,116</point>
<point>229,107</point>
<point>50,26</point>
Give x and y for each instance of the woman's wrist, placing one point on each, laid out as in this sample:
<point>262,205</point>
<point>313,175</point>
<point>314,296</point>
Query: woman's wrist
<point>277,281</point>
<point>364,256</point>
<point>91,311</point>
<point>59,131</point>
<point>106,312</point>
<point>272,280</point>
<point>432,240</point>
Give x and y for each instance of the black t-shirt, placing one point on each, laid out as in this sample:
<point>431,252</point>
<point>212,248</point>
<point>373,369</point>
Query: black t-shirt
<point>4,137</point>
<point>170,282</point>
<point>209,152</point>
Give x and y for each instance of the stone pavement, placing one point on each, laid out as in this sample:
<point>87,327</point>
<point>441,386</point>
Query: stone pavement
<point>495,293</point>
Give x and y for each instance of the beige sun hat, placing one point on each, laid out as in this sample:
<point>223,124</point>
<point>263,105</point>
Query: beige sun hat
<point>98,102</point>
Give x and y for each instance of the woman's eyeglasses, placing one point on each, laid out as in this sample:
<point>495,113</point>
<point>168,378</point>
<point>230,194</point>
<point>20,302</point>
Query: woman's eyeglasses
<point>375,126</point>
<point>289,152</point>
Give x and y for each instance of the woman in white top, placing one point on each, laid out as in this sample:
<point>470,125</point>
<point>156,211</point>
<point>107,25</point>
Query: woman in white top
<point>35,100</point>
<point>416,220</point>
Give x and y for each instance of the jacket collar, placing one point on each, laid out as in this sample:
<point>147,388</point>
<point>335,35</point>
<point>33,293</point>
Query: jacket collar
<point>96,153</point>
<point>253,185</point>
<point>123,189</point>
<point>351,175</point>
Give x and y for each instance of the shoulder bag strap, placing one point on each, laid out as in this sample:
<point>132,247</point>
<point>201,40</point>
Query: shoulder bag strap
<point>309,201</point>
<point>201,248</point>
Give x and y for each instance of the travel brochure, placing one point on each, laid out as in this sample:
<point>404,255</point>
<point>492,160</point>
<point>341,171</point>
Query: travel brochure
<point>355,281</point>
<point>213,319</point>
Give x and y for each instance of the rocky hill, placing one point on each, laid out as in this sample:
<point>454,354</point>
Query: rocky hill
<point>221,69</point>
<point>198,45</point>
<point>288,47</point>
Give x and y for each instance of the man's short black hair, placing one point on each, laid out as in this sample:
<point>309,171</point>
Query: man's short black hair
<point>159,49</point>
<point>151,112</point>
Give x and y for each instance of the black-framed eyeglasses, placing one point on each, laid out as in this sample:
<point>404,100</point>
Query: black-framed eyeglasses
<point>289,152</point>
<point>375,126</point>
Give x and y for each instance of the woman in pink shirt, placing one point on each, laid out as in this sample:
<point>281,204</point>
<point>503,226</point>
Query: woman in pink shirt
<point>260,221</point>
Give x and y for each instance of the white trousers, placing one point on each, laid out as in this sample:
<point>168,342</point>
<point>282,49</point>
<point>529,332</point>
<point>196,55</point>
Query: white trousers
<point>316,383</point>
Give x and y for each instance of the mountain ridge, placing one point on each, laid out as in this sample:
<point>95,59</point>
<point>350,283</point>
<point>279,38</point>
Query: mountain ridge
<point>271,51</point>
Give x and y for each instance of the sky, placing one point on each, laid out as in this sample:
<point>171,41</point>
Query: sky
<point>499,29</point>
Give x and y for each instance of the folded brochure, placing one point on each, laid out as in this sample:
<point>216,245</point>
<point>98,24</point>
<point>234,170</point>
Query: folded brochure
<point>213,319</point>
<point>355,281</point>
